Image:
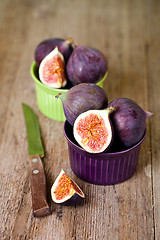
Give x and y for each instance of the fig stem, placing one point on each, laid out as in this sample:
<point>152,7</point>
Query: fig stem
<point>57,96</point>
<point>110,109</point>
<point>62,96</point>
<point>74,45</point>
<point>69,41</point>
<point>148,114</point>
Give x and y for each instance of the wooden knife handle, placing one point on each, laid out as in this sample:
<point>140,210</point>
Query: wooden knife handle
<point>38,187</point>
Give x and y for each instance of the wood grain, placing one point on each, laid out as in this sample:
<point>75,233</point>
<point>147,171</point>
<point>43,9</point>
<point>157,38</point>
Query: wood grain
<point>153,57</point>
<point>128,33</point>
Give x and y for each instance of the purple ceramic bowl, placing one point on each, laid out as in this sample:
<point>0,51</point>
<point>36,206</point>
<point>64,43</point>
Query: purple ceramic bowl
<point>102,168</point>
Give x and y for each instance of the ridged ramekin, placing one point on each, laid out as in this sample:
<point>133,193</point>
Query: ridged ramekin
<point>102,168</point>
<point>47,103</point>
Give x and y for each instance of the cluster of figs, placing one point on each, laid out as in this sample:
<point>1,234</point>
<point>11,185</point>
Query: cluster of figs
<point>63,64</point>
<point>98,125</point>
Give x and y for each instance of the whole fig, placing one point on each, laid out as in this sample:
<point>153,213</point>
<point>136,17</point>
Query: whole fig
<point>129,121</point>
<point>86,65</point>
<point>81,98</point>
<point>46,46</point>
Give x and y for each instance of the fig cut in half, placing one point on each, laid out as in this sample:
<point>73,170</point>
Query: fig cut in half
<point>52,70</point>
<point>46,46</point>
<point>93,130</point>
<point>65,191</point>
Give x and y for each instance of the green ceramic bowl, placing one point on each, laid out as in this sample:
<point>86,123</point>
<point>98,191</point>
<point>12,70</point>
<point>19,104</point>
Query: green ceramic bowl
<point>50,106</point>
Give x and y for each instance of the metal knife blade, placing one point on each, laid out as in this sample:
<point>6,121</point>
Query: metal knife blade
<point>37,174</point>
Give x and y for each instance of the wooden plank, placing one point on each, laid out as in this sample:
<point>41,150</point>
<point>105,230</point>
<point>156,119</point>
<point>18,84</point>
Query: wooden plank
<point>153,58</point>
<point>129,74</point>
<point>119,29</point>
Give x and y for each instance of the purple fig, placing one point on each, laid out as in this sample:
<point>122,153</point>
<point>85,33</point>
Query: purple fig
<point>86,65</point>
<point>81,98</point>
<point>129,121</point>
<point>93,130</point>
<point>46,46</point>
<point>66,48</point>
<point>52,70</point>
<point>65,191</point>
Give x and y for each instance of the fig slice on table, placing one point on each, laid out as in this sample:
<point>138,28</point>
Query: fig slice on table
<point>65,191</point>
<point>93,130</point>
<point>52,70</point>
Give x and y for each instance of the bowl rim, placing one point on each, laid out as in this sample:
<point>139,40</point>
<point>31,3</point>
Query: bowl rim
<point>103,153</point>
<point>32,71</point>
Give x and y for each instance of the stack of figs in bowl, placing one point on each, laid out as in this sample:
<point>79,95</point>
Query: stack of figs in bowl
<point>59,65</point>
<point>104,140</point>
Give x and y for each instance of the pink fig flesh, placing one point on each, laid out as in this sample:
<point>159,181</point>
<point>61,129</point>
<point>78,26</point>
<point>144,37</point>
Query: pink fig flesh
<point>65,191</point>
<point>52,70</point>
<point>93,130</point>
<point>47,46</point>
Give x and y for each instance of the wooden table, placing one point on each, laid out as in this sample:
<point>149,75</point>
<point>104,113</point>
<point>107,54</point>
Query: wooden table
<point>128,33</point>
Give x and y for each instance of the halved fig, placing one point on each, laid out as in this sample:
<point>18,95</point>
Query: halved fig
<point>93,130</point>
<point>52,70</point>
<point>47,45</point>
<point>65,191</point>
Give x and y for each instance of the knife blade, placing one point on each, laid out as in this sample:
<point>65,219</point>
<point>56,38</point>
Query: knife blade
<point>37,175</point>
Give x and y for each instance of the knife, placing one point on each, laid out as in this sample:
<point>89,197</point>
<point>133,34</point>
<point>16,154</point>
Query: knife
<point>37,174</point>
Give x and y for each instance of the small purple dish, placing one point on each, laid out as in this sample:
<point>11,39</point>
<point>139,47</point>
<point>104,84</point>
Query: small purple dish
<point>106,168</point>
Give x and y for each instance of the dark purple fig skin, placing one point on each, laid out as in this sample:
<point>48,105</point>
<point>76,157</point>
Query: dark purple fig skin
<point>86,65</point>
<point>46,46</point>
<point>129,121</point>
<point>76,199</point>
<point>66,48</point>
<point>81,98</point>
